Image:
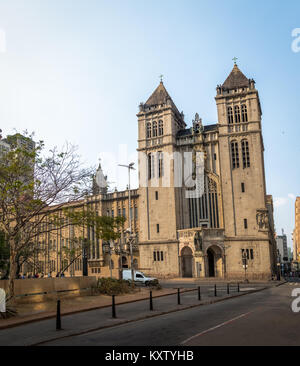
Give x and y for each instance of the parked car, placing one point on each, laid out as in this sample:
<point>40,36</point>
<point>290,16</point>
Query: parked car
<point>139,277</point>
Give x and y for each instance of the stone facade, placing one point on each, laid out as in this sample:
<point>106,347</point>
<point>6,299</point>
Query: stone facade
<point>201,209</point>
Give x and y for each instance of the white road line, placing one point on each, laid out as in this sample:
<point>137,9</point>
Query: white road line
<point>213,328</point>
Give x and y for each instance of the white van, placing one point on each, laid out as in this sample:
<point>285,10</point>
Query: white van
<point>138,277</point>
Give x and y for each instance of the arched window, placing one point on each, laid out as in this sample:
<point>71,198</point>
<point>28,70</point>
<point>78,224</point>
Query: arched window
<point>229,115</point>
<point>148,132</point>
<point>235,155</point>
<point>154,129</point>
<point>246,155</point>
<point>237,116</point>
<point>244,113</point>
<point>160,128</point>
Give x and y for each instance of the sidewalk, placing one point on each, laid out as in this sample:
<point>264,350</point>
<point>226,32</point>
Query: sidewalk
<point>129,308</point>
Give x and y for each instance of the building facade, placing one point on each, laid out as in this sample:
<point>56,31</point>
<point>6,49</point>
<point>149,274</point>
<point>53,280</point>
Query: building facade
<point>296,232</point>
<point>208,234</point>
<point>201,206</point>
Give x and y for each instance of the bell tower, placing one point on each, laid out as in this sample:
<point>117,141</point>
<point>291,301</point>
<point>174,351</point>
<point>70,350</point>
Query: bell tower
<point>158,123</point>
<point>242,173</point>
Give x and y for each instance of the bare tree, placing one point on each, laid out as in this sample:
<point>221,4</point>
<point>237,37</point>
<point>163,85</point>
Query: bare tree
<point>34,186</point>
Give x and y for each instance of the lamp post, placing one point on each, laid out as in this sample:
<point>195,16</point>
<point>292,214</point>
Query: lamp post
<point>130,167</point>
<point>245,265</point>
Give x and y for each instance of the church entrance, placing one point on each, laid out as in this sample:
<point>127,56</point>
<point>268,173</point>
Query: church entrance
<point>187,262</point>
<point>214,262</point>
<point>211,263</point>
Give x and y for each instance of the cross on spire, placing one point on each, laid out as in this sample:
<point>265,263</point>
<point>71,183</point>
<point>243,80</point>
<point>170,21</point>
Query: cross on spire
<point>161,78</point>
<point>234,59</point>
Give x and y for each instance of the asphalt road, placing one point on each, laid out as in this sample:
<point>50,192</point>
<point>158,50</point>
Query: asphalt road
<point>262,318</point>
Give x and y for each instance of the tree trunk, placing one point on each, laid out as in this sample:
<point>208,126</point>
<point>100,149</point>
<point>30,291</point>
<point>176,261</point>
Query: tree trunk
<point>12,273</point>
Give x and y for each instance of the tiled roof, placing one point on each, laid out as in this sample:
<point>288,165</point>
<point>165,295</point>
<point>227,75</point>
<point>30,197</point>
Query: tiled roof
<point>236,79</point>
<point>159,96</point>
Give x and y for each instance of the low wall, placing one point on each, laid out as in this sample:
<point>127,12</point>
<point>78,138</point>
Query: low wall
<point>43,289</point>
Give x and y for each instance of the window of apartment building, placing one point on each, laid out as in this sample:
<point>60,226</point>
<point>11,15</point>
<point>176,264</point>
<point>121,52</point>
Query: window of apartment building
<point>136,212</point>
<point>112,213</point>
<point>124,212</point>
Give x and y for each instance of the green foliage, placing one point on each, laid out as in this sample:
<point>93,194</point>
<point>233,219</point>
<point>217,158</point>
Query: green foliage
<point>112,286</point>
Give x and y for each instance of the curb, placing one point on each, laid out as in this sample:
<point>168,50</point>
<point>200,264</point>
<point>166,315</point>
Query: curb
<point>152,315</point>
<point>53,315</point>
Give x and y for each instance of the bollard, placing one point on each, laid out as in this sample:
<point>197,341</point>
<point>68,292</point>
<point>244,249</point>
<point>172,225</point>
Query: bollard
<point>199,293</point>
<point>178,296</point>
<point>227,288</point>
<point>215,290</point>
<point>113,307</point>
<point>151,301</point>
<point>58,318</point>
<point>238,287</point>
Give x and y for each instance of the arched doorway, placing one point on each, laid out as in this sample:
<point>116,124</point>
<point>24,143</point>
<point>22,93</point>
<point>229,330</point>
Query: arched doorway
<point>214,261</point>
<point>211,262</point>
<point>124,262</point>
<point>187,262</point>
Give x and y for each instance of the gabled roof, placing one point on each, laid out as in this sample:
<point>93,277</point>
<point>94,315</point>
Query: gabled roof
<point>236,79</point>
<point>159,96</point>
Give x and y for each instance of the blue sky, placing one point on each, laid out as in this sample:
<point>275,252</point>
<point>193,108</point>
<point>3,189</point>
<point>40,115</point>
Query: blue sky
<point>76,70</point>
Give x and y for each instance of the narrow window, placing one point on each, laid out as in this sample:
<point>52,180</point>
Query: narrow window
<point>158,256</point>
<point>160,128</point>
<point>149,166</point>
<point>154,256</point>
<point>154,129</point>
<point>247,251</point>
<point>251,254</point>
<point>244,113</point>
<point>156,195</point>
<point>148,132</point>
<point>160,164</point>
<point>237,116</point>
<point>161,256</point>
<point>157,228</point>
<point>243,187</point>
<point>235,155</point>
<point>245,153</point>
<point>229,115</point>
<point>215,156</point>
<point>245,224</point>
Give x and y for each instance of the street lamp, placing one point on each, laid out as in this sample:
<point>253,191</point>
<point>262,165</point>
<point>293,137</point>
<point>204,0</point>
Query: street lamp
<point>130,167</point>
<point>245,265</point>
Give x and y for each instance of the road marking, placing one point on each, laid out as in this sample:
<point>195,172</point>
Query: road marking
<point>217,326</point>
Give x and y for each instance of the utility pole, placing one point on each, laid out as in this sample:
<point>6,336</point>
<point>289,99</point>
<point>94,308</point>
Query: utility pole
<point>130,167</point>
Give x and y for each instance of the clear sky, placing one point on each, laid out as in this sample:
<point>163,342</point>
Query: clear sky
<point>76,70</point>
